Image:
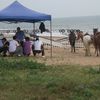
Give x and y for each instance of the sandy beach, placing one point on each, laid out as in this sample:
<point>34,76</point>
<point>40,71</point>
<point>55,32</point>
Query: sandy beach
<point>63,56</point>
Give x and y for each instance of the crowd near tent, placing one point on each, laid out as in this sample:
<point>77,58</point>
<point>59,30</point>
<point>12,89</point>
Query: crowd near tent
<point>16,12</point>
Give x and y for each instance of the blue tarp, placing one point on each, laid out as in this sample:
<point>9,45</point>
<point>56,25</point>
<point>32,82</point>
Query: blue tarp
<point>16,12</point>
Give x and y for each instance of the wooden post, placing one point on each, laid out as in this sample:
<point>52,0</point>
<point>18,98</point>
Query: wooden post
<point>51,37</point>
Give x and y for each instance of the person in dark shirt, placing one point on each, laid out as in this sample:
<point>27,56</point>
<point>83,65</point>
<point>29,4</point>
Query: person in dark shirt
<point>42,27</point>
<point>20,36</point>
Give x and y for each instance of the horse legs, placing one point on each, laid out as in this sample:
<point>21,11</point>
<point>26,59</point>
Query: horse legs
<point>73,47</point>
<point>97,53</point>
<point>97,50</point>
<point>86,54</point>
<point>88,50</point>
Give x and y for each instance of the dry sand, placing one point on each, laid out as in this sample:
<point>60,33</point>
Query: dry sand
<point>63,56</point>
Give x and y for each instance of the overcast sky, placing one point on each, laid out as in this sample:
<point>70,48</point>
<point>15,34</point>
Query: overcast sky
<point>60,8</point>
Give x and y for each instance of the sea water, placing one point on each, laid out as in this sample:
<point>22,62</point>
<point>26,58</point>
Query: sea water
<point>86,24</point>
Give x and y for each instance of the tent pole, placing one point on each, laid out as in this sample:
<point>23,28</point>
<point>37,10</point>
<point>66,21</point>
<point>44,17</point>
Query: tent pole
<point>34,28</point>
<point>51,37</point>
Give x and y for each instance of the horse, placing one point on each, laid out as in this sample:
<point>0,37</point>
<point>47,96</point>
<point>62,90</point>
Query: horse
<point>87,41</point>
<point>72,38</point>
<point>79,35</point>
<point>96,41</point>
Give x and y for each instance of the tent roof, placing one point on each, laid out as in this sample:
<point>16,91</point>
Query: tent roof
<point>16,12</point>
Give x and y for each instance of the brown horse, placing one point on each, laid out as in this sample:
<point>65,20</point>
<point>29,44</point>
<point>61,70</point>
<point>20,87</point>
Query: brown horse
<point>96,41</point>
<point>79,35</point>
<point>72,38</point>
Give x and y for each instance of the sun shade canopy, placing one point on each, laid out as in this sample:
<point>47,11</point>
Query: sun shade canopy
<point>16,12</point>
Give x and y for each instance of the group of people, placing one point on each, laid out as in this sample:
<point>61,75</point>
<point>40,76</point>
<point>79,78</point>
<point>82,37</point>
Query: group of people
<point>21,45</point>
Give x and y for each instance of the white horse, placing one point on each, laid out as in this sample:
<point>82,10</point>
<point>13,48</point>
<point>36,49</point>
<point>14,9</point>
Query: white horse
<point>87,41</point>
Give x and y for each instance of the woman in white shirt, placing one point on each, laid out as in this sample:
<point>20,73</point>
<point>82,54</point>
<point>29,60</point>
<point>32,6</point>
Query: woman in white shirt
<point>13,46</point>
<point>38,47</point>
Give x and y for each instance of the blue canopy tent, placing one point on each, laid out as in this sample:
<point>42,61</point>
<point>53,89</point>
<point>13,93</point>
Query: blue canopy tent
<point>16,12</point>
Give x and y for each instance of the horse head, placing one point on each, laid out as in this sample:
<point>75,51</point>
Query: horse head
<point>79,35</point>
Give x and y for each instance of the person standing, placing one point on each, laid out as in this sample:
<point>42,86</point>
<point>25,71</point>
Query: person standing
<point>42,27</point>
<point>20,36</point>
